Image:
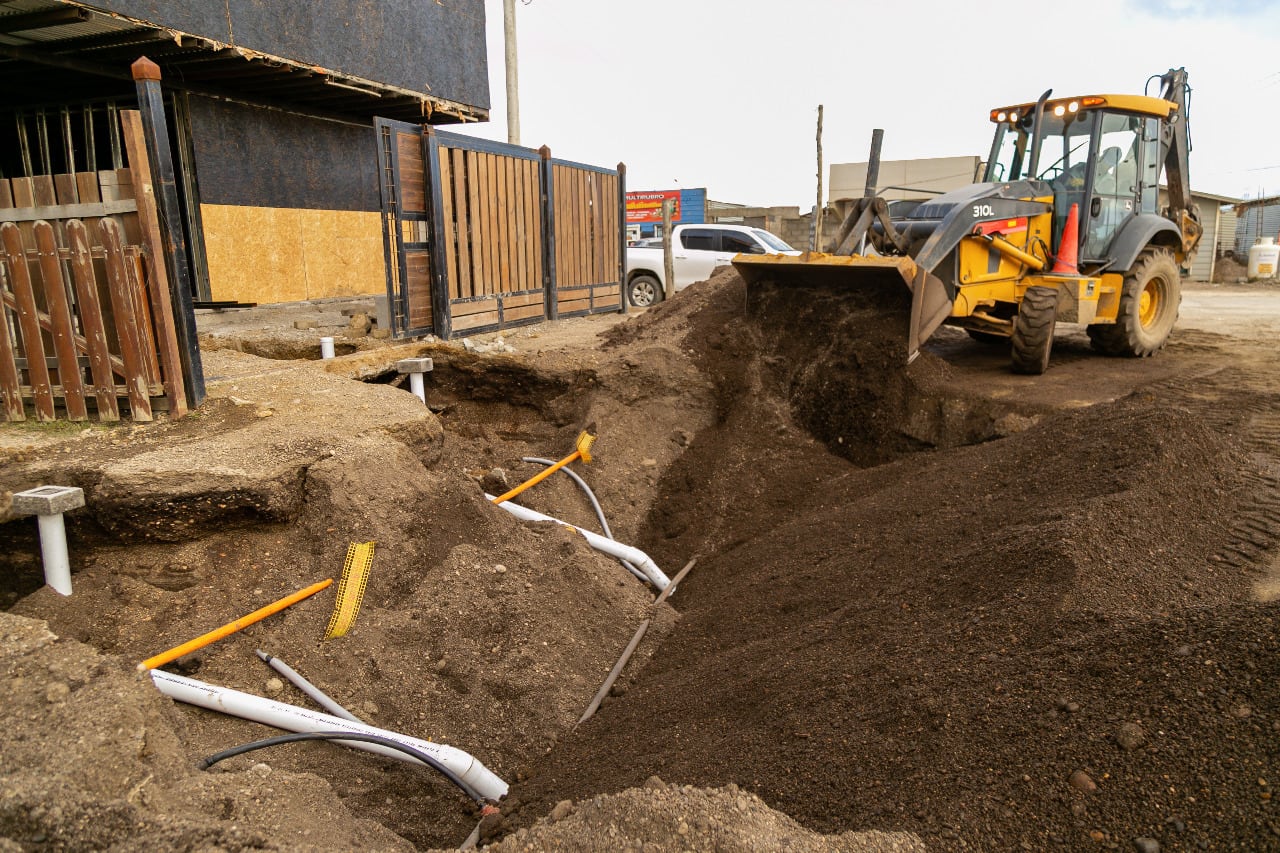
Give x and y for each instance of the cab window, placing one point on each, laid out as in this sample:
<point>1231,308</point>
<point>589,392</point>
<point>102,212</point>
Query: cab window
<point>701,239</point>
<point>732,241</point>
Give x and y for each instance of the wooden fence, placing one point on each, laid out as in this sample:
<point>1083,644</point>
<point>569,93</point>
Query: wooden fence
<point>83,322</point>
<point>482,235</point>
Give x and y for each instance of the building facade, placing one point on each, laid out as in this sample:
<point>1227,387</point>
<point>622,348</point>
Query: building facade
<point>644,210</point>
<point>270,107</point>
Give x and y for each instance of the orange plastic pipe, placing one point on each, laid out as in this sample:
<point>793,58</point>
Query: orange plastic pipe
<point>231,627</point>
<point>537,478</point>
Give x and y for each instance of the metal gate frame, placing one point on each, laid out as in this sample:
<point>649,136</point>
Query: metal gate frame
<point>470,233</point>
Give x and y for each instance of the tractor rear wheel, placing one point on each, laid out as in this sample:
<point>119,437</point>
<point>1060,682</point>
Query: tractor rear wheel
<point>1033,330</point>
<point>1149,300</point>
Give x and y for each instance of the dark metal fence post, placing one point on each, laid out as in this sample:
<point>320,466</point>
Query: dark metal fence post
<point>549,234</point>
<point>146,76</point>
<point>443,321</point>
<point>622,235</point>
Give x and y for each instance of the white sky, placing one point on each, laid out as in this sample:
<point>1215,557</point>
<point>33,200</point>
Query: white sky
<point>723,94</point>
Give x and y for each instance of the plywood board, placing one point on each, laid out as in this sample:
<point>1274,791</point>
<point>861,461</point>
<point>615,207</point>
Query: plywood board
<point>262,254</point>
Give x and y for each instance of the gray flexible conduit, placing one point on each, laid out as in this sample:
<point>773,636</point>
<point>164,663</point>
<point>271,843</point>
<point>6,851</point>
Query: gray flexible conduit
<point>582,484</point>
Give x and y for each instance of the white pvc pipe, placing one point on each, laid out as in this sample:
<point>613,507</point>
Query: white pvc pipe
<point>324,700</point>
<point>294,719</point>
<point>417,387</point>
<point>53,552</point>
<point>635,556</point>
<point>326,347</point>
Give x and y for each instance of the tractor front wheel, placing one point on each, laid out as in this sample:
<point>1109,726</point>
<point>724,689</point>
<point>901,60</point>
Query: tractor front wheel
<point>1033,330</point>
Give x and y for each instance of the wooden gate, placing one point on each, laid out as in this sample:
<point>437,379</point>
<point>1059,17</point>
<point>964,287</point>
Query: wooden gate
<point>587,224</point>
<point>482,235</point>
<point>82,321</point>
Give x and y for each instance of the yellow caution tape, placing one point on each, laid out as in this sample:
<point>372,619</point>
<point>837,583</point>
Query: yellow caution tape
<point>355,576</point>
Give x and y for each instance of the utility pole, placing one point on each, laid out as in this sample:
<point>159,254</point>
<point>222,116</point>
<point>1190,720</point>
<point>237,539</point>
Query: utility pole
<point>513,83</point>
<point>815,232</point>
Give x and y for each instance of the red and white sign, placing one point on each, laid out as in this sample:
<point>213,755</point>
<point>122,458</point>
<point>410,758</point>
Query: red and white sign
<point>647,206</point>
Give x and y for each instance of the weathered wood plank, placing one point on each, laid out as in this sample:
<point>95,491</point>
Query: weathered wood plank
<point>502,231</point>
<point>142,309</point>
<point>521,224</point>
<point>87,187</point>
<point>152,296</point>
<point>95,334</point>
<point>449,230</point>
<point>67,211</point>
<point>535,214</point>
<point>480,227</point>
<point>413,176</point>
<point>121,289</point>
<point>459,190</point>
<point>65,189</point>
<point>10,380</point>
<point>6,194</point>
<point>63,331</point>
<point>512,237</point>
<point>493,224</point>
<point>28,320</point>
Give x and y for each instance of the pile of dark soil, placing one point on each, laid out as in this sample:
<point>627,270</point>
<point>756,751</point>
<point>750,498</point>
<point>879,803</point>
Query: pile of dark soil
<point>1028,642</point>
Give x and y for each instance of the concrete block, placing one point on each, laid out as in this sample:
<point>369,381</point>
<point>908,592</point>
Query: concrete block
<point>382,312</point>
<point>48,500</point>
<point>414,365</point>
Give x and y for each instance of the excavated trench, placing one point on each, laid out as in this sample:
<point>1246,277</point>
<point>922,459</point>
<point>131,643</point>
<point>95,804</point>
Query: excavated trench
<point>902,589</point>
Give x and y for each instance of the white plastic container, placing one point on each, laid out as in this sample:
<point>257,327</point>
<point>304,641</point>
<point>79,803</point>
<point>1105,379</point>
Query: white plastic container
<point>1264,258</point>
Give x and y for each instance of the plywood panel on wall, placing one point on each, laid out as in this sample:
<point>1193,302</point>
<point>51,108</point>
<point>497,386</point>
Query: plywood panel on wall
<point>266,255</point>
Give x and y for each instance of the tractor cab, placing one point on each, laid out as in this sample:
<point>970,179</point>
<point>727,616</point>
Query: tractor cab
<point>1101,153</point>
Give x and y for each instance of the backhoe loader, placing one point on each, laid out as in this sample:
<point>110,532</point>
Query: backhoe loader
<point>1065,227</point>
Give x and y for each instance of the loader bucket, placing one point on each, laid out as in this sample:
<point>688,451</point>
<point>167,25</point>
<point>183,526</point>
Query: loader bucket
<point>930,304</point>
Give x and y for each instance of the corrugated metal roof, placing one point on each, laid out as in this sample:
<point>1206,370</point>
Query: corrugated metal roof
<point>73,53</point>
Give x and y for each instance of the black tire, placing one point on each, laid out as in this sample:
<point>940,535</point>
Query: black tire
<point>988,338</point>
<point>1149,302</point>
<point>644,290</point>
<point>1033,330</point>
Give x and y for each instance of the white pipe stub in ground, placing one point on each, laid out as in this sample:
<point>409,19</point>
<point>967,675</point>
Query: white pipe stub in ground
<point>415,368</point>
<point>295,719</point>
<point>48,503</point>
<point>635,556</point>
<point>326,347</point>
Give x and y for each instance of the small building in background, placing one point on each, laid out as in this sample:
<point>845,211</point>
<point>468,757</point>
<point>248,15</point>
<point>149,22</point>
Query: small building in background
<point>1216,224</point>
<point>910,180</point>
<point>1255,219</point>
<point>644,210</point>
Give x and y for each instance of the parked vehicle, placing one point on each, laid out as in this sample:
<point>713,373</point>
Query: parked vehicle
<point>697,249</point>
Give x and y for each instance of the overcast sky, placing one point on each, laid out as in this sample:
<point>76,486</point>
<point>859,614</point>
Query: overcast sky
<point>723,94</point>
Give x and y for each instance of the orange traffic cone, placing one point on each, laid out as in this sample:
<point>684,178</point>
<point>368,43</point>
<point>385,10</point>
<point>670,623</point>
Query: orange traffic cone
<point>1068,246</point>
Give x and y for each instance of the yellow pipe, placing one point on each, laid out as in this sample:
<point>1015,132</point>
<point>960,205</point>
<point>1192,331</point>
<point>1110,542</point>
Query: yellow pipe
<point>584,441</point>
<point>231,627</point>
<point>1004,247</point>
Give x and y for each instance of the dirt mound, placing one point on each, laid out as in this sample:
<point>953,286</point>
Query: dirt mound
<point>476,630</point>
<point>94,759</point>
<point>659,817</point>
<point>938,643</point>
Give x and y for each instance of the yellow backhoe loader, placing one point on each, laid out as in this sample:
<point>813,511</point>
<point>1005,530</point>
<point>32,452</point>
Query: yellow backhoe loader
<point>1066,226</point>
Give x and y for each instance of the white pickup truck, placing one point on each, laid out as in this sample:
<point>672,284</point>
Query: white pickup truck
<point>696,249</point>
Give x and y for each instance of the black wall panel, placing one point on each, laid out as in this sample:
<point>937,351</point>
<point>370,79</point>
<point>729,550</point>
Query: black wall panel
<point>420,45</point>
<point>257,157</point>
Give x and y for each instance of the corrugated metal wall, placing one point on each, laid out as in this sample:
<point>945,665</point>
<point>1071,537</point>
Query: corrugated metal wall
<point>1259,220</point>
